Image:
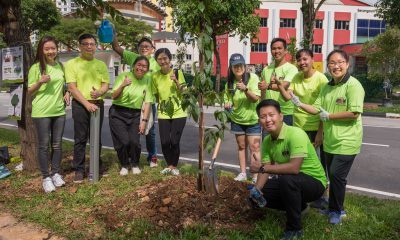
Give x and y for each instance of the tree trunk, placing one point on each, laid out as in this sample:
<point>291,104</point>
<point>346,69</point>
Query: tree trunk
<point>16,34</point>
<point>218,65</point>
<point>200,182</point>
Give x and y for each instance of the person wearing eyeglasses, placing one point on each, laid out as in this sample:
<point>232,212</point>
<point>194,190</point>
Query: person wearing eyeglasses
<point>145,48</point>
<point>339,105</point>
<point>282,70</point>
<point>87,79</point>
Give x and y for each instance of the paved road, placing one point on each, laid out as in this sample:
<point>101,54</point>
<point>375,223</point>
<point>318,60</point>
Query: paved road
<point>377,167</point>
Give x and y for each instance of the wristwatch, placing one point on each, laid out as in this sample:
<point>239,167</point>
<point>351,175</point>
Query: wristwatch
<point>262,169</point>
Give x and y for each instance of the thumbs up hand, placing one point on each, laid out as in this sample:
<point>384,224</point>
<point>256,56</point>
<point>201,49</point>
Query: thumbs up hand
<point>126,81</point>
<point>95,93</point>
<point>45,78</point>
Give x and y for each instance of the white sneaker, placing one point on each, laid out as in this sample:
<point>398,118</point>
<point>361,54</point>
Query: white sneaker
<point>153,162</point>
<point>19,167</point>
<point>241,177</point>
<point>166,171</point>
<point>136,170</point>
<point>123,172</point>
<point>175,172</point>
<point>48,185</point>
<point>57,180</point>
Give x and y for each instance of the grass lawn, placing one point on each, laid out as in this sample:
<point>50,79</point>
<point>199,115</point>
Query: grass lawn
<point>394,109</point>
<point>131,207</point>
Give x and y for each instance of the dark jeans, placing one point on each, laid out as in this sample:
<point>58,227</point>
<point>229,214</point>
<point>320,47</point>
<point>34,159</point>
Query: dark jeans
<point>338,169</point>
<point>82,132</point>
<point>151,137</point>
<point>288,119</point>
<point>291,193</point>
<point>124,126</point>
<point>311,135</point>
<point>49,131</point>
<point>170,135</point>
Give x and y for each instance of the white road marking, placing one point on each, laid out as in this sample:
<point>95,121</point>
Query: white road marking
<point>380,126</point>
<point>374,144</point>
<point>368,190</point>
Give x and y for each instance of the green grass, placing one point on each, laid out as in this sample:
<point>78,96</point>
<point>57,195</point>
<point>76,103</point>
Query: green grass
<point>66,211</point>
<point>394,109</point>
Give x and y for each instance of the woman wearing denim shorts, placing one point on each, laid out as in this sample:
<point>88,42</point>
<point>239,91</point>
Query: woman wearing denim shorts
<point>241,98</point>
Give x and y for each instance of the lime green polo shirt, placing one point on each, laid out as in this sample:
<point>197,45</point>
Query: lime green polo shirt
<point>48,101</point>
<point>293,142</point>
<point>307,89</point>
<point>287,71</point>
<point>243,110</point>
<point>165,88</point>
<point>130,57</point>
<point>132,96</point>
<point>86,74</point>
<point>342,136</point>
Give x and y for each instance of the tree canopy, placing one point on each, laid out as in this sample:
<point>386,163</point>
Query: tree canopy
<point>389,10</point>
<point>40,15</point>
<point>309,10</point>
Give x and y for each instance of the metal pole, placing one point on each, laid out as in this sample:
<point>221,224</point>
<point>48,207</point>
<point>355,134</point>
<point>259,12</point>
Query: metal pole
<point>94,146</point>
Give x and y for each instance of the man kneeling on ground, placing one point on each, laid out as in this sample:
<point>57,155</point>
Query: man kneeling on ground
<point>290,156</point>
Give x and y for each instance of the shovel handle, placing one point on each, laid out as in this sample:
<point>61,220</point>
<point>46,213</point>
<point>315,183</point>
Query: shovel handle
<point>216,149</point>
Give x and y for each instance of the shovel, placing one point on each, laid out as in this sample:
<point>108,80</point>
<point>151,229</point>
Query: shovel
<point>210,177</point>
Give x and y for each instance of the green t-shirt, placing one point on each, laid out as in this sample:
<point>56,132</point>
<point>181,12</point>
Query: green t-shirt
<point>293,142</point>
<point>287,71</point>
<point>130,57</point>
<point>166,89</point>
<point>48,101</point>
<point>307,89</point>
<point>243,110</point>
<point>86,74</point>
<point>342,136</point>
<point>132,96</point>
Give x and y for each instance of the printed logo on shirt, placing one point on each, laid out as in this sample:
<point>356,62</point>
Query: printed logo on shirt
<point>341,101</point>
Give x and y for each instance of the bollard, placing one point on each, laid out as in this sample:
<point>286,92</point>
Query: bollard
<point>94,146</point>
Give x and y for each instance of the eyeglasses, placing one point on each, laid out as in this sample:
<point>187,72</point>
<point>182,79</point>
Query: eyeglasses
<point>332,64</point>
<point>86,44</point>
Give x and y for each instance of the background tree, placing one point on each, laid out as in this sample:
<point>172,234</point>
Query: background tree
<point>69,29</point>
<point>39,15</point>
<point>389,10</point>
<point>130,31</point>
<point>383,57</point>
<point>2,43</point>
<point>180,56</point>
<point>309,11</point>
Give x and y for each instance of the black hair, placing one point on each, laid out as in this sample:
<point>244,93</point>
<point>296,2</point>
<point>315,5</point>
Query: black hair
<point>305,51</point>
<point>40,57</point>
<point>163,50</point>
<point>140,58</point>
<point>283,41</point>
<point>86,36</point>
<point>231,78</point>
<point>268,103</point>
<point>145,39</point>
<point>339,51</point>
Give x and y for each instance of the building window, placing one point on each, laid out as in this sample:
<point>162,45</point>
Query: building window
<point>342,25</point>
<point>263,22</point>
<point>188,56</point>
<point>287,23</point>
<point>318,23</point>
<point>259,47</point>
<point>173,57</point>
<point>317,48</point>
<point>188,68</point>
<point>367,28</point>
<point>65,9</point>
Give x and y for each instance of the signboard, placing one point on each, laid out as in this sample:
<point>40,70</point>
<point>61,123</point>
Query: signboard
<point>15,109</point>
<point>12,64</point>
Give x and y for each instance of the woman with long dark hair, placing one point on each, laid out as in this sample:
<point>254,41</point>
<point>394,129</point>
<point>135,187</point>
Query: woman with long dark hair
<point>46,84</point>
<point>129,92</point>
<point>167,86</point>
<point>241,97</point>
<point>339,105</point>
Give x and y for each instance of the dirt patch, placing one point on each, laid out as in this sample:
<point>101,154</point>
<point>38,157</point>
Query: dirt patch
<point>175,204</point>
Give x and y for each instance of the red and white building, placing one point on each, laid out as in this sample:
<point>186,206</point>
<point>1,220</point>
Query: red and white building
<point>339,22</point>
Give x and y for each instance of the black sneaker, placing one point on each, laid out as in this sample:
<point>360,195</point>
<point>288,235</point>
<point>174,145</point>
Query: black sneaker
<point>292,235</point>
<point>78,177</point>
<point>103,172</point>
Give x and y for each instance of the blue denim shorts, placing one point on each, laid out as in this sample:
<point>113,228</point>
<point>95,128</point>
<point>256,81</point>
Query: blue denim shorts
<point>249,130</point>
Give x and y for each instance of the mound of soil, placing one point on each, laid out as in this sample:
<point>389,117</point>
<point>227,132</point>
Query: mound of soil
<point>175,203</point>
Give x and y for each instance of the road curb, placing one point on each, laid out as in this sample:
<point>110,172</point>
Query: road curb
<point>381,114</point>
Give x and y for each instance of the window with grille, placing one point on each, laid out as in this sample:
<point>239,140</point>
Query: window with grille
<point>318,24</point>
<point>317,48</point>
<point>288,23</point>
<point>263,22</point>
<point>342,25</point>
<point>259,47</point>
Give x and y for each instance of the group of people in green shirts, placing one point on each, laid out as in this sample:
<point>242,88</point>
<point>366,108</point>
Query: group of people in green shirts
<point>310,127</point>
<point>85,79</point>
